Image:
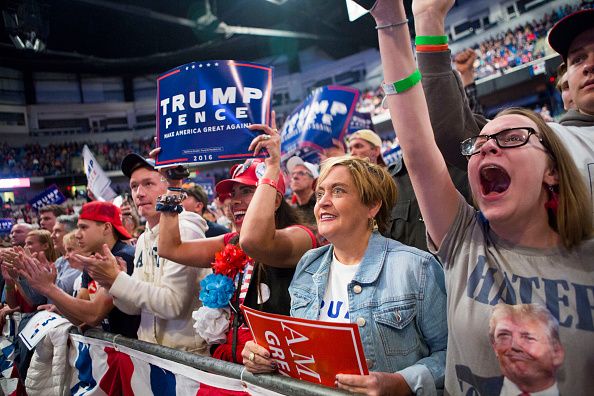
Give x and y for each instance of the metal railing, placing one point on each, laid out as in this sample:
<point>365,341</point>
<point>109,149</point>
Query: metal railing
<point>273,382</point>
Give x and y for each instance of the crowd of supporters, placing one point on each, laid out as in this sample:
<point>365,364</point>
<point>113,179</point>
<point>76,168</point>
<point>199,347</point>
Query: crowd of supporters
<point>61,159</point>
<point>504,51</point>
<point>499,53</point>
<point>520,45</point>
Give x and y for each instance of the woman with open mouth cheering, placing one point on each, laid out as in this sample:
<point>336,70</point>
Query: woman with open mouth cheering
<point>530,240</point>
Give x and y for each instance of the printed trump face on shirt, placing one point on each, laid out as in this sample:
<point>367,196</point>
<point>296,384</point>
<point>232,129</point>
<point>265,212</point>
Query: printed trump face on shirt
<point>527,354</point>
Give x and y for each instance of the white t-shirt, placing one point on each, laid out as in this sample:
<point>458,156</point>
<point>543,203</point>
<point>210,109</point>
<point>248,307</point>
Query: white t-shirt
<point>335,305</point>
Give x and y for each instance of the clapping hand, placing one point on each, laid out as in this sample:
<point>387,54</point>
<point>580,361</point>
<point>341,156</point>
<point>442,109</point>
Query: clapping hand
<point>103,268</point>
<point>38,271</point>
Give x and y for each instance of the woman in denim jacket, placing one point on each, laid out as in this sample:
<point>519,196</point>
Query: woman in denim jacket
<point>393,292</point>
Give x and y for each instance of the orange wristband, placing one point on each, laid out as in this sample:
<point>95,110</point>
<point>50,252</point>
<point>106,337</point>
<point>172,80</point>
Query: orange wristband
<point>268,181</point>
<point>432,48</point>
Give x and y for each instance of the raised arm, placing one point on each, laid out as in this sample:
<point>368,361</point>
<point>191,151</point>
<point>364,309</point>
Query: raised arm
<point>259,237</point>
<point>437,196</point>
<point>449,109</point>
<point>194,253</point>
<point>191,252</point>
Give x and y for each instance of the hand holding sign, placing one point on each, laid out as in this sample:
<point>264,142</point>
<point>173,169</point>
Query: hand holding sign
<point>49,308</point>
<point>302,348</point>
<point>168,172</point>
<point>256,359</point>
<point>270,141</point>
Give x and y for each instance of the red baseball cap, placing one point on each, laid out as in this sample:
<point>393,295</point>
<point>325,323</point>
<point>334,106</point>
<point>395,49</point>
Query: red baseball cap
<point>567,29</point>
<point>105,212</point>
<point>248,173</point>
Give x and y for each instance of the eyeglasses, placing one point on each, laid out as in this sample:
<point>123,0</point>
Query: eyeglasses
<point>301,174</point>
<point>507,138</point>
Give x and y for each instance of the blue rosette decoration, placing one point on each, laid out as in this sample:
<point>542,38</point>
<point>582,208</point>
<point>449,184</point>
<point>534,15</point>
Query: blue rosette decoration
<point>216,291</point>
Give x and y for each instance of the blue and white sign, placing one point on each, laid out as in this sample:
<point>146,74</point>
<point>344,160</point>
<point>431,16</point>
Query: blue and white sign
<point>207,184</point>
<point>6,226</point>
<point>323,116</point>
<point>393,156</point>
<point>360,121</point>
<point>38,326</point>
<point>97,180</point>
<point>50,196</point>
<point>205,108</point>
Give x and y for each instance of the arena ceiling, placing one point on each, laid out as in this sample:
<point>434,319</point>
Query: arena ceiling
<point>145,36</point>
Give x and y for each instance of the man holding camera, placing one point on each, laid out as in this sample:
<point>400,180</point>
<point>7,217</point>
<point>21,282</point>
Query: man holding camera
<point>163,292</point>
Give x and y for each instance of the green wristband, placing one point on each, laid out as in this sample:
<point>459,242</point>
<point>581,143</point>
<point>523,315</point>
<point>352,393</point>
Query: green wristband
<point>407,83</point>
<point>431,40</point>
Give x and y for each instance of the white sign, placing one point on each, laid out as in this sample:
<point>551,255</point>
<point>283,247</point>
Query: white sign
<point>97,180</point>
<point>38,327</point>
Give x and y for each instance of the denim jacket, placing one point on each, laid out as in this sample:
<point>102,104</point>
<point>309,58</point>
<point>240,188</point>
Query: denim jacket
<point>398,300</point>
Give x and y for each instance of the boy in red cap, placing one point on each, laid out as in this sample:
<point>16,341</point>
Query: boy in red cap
<point>99,224</point>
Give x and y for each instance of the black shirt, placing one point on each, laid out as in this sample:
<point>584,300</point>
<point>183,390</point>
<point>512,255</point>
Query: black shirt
<point>278,281</point>
<point>118,322</point>
<point>215,229</point>
<point>307,211</point>
<point>406,223</point>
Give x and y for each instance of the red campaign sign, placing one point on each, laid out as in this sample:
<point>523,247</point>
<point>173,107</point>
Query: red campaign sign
<point>310,350</point>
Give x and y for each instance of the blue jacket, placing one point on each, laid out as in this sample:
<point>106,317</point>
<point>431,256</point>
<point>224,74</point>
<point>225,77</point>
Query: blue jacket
<point>398,300</point>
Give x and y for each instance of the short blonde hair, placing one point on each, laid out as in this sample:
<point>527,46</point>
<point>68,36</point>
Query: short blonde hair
<point>372,181</point>
<point>573,220</point>
<point>70,239</point>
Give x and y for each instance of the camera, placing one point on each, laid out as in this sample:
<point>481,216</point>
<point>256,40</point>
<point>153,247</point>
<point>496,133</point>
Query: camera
<point>177,173</point>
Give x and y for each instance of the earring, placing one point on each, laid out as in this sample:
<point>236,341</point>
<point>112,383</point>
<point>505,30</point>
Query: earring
<point>553,202</point>
<point>372,223</point>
